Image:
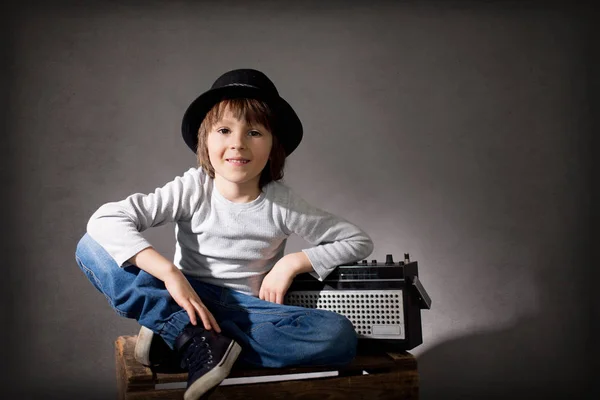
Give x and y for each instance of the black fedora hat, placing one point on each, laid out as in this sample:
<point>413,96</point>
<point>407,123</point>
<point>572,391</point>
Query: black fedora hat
<point>244,83</point>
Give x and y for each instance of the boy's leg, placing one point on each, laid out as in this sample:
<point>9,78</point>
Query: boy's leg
<point>275,335</point>
<point>132,292</point>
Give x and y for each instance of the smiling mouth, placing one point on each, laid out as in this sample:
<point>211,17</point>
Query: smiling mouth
<point>237,161</point>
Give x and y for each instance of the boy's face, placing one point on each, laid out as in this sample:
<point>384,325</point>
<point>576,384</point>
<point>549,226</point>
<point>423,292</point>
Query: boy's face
<point>237,151</point>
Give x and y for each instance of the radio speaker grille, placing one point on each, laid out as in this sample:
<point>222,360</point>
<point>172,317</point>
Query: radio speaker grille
<point>376,314</point>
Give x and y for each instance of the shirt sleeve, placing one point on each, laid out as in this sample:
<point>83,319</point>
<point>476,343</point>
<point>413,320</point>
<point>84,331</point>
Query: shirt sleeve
<point>336,240</point>
<point>117,226</point>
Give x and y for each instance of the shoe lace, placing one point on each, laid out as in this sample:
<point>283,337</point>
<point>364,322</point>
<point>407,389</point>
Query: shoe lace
<point>197,354</point>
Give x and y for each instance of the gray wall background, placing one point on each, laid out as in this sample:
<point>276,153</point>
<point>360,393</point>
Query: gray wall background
<point>459,132</point>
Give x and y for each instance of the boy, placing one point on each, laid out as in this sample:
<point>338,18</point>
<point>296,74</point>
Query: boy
<point>232,217</point>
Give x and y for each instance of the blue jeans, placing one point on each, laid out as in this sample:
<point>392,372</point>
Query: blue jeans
<point>271,335</point>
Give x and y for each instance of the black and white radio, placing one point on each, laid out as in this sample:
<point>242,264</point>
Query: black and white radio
<point>382,300</point>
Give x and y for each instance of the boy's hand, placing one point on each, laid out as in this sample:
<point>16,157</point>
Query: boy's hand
<point>276,284</point>
<point>278,280</point>
<point>183,293</point>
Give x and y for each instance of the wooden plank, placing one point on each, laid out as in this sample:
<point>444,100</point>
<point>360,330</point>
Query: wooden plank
<point>171,378</point>
<point>383,386</point>
<point>360,364</point>
<point>163,394</point>
<point>392,376</point>
<point>120,369</point>
<point>133,373</point>
<point>138,374</point>
<point>404,361</point>
<point>391,385</point>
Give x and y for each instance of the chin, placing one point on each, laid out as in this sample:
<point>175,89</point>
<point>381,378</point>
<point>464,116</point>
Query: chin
<point>239,179</point>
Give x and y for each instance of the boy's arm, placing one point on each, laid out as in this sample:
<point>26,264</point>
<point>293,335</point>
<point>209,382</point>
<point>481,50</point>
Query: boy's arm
<point>336,240</point>
<point>154,263</point>
<point>117,226</point>
<point>177,285</point>
<point>276,283</point>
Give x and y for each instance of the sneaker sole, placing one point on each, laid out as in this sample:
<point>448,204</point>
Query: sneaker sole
<point>142,346</point>
<point>216,375</point>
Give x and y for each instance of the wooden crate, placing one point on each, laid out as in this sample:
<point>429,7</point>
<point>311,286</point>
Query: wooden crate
<point>388,376</point>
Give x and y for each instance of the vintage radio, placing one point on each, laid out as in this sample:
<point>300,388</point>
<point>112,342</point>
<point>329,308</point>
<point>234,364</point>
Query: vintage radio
<point>382,300</point>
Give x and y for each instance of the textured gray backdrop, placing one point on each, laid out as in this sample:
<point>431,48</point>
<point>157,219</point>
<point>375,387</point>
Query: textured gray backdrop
<point>457,132</point>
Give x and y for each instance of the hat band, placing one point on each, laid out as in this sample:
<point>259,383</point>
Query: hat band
<point>241,84</point>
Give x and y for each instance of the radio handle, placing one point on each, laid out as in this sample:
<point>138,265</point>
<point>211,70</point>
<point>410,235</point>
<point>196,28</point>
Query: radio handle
<point>424,299</point>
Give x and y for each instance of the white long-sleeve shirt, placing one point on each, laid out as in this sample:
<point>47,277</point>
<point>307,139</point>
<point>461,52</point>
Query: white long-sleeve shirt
<point>225,243</point>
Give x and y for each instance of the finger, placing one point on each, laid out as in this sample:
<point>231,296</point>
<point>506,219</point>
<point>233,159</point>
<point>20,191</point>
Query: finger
<point>213,322</point>
<point>198,304</point>
<point>272,297</point>
<point>202,312</point>
<point>205,320</point>
<point>191,313</point>
<point>279,298</point>
<point>261,294</point>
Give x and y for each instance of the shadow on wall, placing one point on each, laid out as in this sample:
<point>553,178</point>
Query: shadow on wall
<point>541,356</point>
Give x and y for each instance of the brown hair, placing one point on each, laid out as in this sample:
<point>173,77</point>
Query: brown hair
<point>253,112</point>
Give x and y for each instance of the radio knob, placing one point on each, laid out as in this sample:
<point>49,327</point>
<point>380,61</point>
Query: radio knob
<point>364,262</point>
<point>374,262</point>
<point>406,258</point>
<point>389,260</point>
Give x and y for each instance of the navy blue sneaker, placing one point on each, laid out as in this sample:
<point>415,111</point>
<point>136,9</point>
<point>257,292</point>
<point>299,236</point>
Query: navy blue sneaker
<point>207,356</point>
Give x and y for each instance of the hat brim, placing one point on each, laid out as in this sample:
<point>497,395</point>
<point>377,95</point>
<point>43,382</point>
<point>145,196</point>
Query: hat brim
<point>288,126</point>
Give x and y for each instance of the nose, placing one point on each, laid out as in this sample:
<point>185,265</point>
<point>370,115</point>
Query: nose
<point>237,141</point>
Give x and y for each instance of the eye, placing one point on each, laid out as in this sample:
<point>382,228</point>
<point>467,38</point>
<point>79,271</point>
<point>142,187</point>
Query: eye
<point>254,133</point>
<point>223,130</point>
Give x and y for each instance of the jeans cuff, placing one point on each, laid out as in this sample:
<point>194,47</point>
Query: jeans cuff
<point>173,327</point>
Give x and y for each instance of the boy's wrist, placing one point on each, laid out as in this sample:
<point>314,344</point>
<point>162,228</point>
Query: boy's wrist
<point>155,264</point>
<point>299,263</point>
<point>172,272</point>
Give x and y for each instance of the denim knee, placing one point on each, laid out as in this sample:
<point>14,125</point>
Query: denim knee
<point>100,269</point>
<point>91,256</point>
<point>83,243</point>
<point>85,249</point>
<point>343,338</point>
